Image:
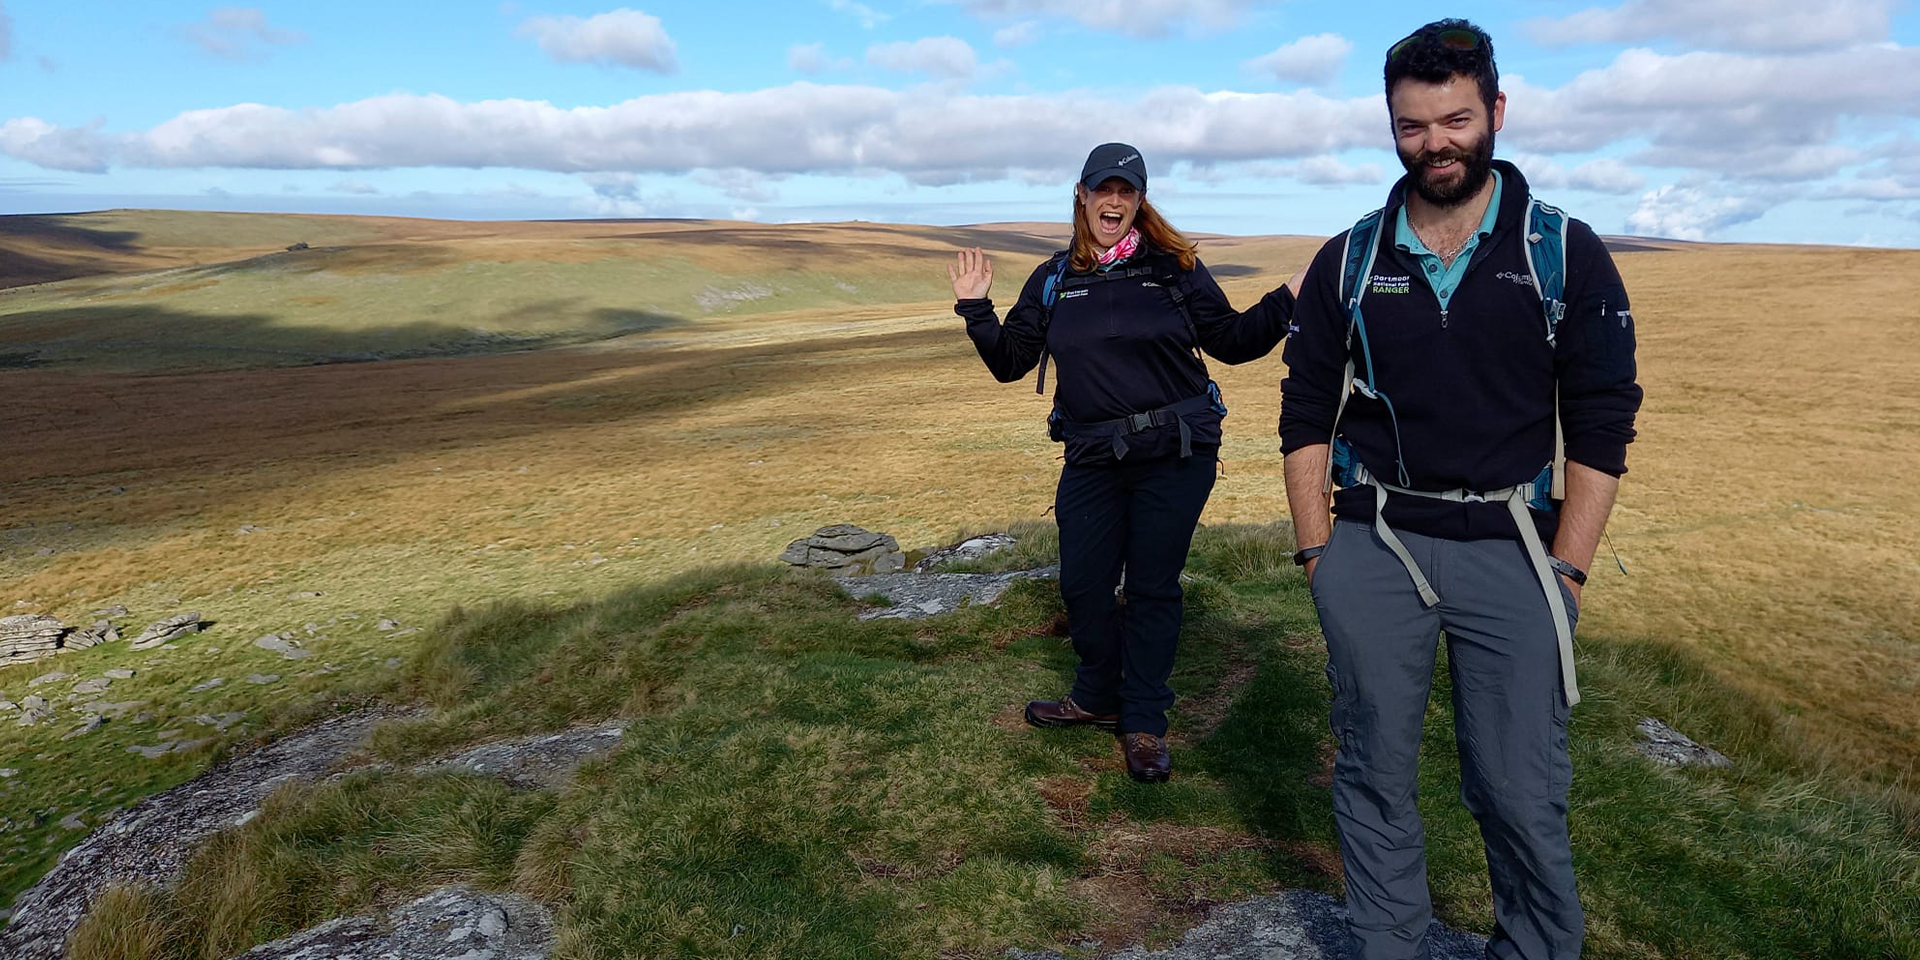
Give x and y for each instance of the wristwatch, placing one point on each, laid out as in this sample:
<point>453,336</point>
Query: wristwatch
<point>1568,570</point>
<point>1300,559</point>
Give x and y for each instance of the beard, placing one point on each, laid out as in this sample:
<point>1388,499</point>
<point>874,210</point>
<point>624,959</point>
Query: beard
<point>1476,166</point>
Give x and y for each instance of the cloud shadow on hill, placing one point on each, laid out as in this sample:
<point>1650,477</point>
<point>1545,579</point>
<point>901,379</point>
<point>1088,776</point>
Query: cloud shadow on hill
<point>76,251</point>
<point>176,341</point>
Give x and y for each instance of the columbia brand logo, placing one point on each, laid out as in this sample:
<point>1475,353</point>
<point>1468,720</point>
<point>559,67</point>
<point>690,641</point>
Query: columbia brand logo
<point>1129,158</point>
<point>1148,283</point>
<point>1385,284</point>
<point>1523,279</point>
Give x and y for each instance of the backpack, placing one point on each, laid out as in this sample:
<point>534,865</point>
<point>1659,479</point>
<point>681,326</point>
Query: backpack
<point>1547,263</point>
<point>1154,265</point>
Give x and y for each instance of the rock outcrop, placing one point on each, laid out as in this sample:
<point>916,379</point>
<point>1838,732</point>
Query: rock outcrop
<point>168,630</point>
<point>29,636</point>
<point>1295,925</point>
<point>451,923</point>
<point>152,842</point>
<point>916,596</point>
<point>1671,747</point>
<point>972,548</point>
<point>845,550</point>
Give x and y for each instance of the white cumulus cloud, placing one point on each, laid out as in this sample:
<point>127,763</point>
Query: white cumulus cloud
<point>799,128</point>
<point>1759,25</point>
<point>868,16</point>
<point>1138,18</point>
<point>1310,60</point>
<point>1694,211</point>
<point>1017,35</point>
<point>809,57</point>
<point>236,33</point>
<point>949,57</point>
<point>622,37</point>
<point>1605,175</point>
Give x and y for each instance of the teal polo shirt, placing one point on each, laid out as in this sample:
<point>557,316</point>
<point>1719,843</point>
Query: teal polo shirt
<point>1442,278</point>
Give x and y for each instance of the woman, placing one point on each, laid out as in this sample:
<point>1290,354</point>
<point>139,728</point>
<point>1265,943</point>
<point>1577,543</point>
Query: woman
<point>1125,311</point>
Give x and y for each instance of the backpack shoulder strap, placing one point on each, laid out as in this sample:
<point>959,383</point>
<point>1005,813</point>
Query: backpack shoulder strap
<point>1049,292</point>
<point>1363,245</point>
<point>1547,262</point>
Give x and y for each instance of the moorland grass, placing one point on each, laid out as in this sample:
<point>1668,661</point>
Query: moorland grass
<point>794,783</point>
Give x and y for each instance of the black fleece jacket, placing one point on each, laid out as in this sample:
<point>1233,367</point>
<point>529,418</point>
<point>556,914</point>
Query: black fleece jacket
<point>1122,346</point>
<point>1475,394</point>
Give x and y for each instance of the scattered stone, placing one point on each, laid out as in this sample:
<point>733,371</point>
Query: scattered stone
<point>386,625</point>
<point>916,596</point>
<point>72,821</point>
<point>8,773</point>
<point>452,923</point>
<point>109,612</point>
<point>35,702</point>
<point>92,723</point>
<point>304,595</point>
<point>114,711</point>
<point>220,722</point>
<point>263,678</point>
<point>392,663</point>
<point>87,688</point>
<point>972,548</point>
<point>101,632</point>
<point>845,550</point>
<point>168,630</point>
<point>1667,745</point>
<point>46,678</point>
<point>247,528</point>
<point>153,752</point>
<point>150,843</point>
<point>120,673</point>
<point>539,762</point>
<point>29,636</point>
<point>8,706</point>
<point>206,685</point>
<point>284,646</point>
<point>1294,924</point>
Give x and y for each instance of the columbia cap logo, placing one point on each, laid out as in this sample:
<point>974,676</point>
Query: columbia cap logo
<point>1129,158</point>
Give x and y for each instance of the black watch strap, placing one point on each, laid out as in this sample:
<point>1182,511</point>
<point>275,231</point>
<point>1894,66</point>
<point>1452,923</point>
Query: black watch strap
<point>1568,570</point>
<point>1300,559</point>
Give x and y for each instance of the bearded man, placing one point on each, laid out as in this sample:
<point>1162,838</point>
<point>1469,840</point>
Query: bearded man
<point>1469,385</point>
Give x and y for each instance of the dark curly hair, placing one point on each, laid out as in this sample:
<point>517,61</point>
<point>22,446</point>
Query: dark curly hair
<point>1443,49</point>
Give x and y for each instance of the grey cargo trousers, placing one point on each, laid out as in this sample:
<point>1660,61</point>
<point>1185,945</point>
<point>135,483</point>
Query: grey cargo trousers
<point>1510,726</point>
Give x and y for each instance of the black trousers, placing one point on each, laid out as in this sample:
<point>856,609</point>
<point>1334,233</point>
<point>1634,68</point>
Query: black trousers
<point>1138,517</point>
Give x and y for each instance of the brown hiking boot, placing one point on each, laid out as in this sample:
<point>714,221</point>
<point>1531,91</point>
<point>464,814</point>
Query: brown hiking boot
<point>1147,759</point>
<point>1065,713</point>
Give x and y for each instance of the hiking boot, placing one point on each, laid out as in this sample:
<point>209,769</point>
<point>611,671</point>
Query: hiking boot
<point>1065,713</point>
<point>1147,759</point>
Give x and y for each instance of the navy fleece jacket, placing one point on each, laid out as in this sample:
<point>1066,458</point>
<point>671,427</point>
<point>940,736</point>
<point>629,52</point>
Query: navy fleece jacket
<point>1122,346</point>
<point>1474,395</point>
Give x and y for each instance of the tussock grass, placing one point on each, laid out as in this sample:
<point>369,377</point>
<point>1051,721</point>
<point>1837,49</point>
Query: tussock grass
<point>794,783</point>
<point>314,853</point>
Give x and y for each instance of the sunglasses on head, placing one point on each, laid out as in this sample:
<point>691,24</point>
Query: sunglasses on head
<point>1457,38</point>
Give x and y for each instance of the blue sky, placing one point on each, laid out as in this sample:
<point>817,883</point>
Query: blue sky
<point>1731,120</point>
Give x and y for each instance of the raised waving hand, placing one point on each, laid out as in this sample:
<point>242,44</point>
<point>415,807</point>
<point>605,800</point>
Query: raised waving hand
<point>972,274</point>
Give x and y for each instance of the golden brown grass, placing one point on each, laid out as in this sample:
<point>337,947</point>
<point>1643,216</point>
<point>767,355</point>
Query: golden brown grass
<point>1766,521</point>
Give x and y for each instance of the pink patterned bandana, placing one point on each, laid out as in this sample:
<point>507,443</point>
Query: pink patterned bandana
<point>1127,247</point>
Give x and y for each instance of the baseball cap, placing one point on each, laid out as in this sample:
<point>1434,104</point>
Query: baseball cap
<point>1114,160</point>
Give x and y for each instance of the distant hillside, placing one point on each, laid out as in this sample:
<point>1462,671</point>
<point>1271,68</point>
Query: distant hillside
<point>159,290</point>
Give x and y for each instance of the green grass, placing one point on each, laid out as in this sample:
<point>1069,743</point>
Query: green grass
<point>797,784</point>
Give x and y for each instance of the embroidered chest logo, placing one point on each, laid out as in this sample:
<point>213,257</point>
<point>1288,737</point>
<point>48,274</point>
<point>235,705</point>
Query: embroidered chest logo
<point>1386,284</point>
<point>1523,279</point>
<point>1070,294</point>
